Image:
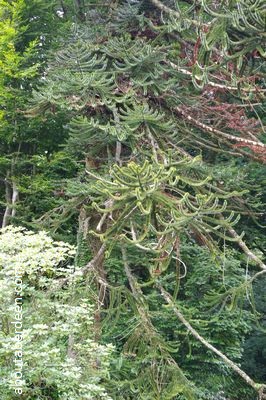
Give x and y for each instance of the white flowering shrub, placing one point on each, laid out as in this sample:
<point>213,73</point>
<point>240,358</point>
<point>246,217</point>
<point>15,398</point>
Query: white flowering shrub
<point>47,350</point>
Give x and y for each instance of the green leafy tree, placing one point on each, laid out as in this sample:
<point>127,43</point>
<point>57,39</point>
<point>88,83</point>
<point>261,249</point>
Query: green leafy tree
<point>47,344</point>
<point>162,103</point>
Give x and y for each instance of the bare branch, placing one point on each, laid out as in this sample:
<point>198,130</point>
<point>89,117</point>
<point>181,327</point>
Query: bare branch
<point>230,363</point>
<point>175,13</point>
<point>92,265</point>
<point>215,84</point>
<point>97,259</point>
<point>246,250</point>
<point>217,132</point>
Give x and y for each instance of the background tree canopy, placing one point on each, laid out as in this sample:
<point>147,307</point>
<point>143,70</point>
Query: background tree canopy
<point>134,130</point>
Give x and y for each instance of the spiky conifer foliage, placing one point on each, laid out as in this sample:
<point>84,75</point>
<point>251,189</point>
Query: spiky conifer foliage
<point>140,106</point>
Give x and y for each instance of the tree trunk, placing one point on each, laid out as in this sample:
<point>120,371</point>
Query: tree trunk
<point>14,198</point>
<point>8,197</point>
<point>11,197</point>
<point>88,243</point>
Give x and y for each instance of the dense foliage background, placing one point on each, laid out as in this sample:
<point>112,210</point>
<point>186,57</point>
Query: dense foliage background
<point>135,131</point>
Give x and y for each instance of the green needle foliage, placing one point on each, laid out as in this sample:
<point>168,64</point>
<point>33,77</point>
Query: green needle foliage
<point>141,141</point>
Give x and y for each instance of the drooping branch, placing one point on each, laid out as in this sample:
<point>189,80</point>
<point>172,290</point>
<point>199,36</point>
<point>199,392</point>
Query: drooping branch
<point>175,13</point>
<point>97,259</point>
<point>134,288</point>
<point>215,84</point>
<point>217,132</point>
<point>246,250</point>
<point>165,8</point>
<point>258,387</point>
<point>146,321</point>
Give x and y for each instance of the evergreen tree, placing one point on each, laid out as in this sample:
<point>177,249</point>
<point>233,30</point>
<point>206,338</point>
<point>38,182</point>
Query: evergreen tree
<point>162,103</point>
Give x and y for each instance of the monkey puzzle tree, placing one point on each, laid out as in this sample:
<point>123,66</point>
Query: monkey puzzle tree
<point>158,100</point>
